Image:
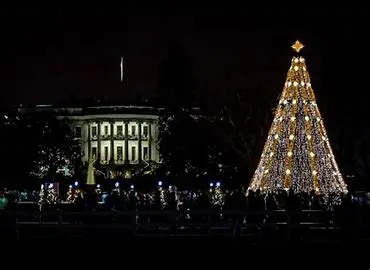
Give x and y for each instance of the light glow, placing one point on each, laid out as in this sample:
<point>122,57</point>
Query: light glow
<point>297,155</point>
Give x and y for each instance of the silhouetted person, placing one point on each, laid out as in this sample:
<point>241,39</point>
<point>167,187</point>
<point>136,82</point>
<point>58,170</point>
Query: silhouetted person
<point>8,220</point>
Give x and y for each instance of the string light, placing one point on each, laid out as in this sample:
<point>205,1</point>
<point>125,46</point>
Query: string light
<point>297,154</point>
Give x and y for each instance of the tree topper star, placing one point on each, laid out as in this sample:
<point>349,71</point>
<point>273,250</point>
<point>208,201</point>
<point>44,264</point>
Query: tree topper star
<point>297,46</point>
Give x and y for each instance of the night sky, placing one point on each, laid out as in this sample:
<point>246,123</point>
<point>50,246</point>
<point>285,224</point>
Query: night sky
<point>49,56</point>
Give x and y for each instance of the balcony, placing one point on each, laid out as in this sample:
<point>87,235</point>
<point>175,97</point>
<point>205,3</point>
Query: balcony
<point>94,137</point>
<point>105,137</point>
<point>119,136</point>
<point>144,137</point>
<point>133,137</point>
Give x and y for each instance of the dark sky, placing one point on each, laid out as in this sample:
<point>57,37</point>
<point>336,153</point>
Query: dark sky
<point>48,56</point>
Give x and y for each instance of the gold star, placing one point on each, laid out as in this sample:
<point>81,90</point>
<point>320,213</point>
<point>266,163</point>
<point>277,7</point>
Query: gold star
<point>297,46</point>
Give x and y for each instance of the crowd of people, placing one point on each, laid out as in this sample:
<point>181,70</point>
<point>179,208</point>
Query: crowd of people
<point>166,205</point>
<point>170,198</point>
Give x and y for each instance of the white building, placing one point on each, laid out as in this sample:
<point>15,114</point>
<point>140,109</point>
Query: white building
<point>117,134</point>
<point>114,135</point>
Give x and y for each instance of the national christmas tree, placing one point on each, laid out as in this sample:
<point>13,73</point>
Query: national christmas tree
<point>297,155</point>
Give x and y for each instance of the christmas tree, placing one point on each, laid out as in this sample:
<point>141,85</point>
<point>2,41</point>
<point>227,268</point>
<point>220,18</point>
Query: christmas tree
<point>297,155</point>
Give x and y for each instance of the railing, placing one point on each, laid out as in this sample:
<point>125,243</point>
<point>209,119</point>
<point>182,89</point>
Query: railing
<point>119,137</point>
<point>200,223</point>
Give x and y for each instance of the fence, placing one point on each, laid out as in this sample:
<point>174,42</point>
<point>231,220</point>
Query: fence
<point>283,224</point>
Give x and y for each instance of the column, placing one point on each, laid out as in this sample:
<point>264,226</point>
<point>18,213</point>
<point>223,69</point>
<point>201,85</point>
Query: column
<point>150,141</point>
<point>88,140</point>
<point>126,142</point>
<point>139,143</point>
<point>112,142</point>
<point>98,152</point>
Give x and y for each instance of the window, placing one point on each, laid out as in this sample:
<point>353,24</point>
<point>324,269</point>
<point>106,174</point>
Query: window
<point>105,153</point>
<point>146,153</point>
<point>133,153</point>
<point>145,131</point>
<point>78,132</point>
<point>120,130</point>
<point>106,130</point>
<point>133,130</point>
<point>93,131</point>
<point>119,153</point>
<point>93,152</point>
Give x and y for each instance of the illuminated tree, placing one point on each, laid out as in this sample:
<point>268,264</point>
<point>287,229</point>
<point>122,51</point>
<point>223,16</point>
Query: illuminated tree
<point>297,154</point>
<point>58,153</point>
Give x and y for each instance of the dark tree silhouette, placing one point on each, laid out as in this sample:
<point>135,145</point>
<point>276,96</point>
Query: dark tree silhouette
<point>38,146</point>
<point>238,127</point>
<point>58,153</point>
<point>18,150</point>
<point>180,145</point>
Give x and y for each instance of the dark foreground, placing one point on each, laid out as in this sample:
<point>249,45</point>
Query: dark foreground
<point>277,229</point>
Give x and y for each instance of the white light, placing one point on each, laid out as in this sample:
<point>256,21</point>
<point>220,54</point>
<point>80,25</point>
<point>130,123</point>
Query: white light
<point>296,60</point>
<point>160,183</point>
<point>276,136</point>
<point>289,83</point>
<point>304,69</point>
<point>292,119</point>
<point>291,137</point>
<point>309,137</point>
<point>170,187</point>
<point>42,186</point>
<point>132,187</point>
<point>51,185</point>
<point>70,186</point>
<point>294,101</point>
<point>295,68</point>
<point>266,171</point>
<point>285,102</point>
<point>309,84</point>
<point>76,184</point>
<point>271,154</point>
<point>6,117</point>
<point>211,184</point>
<point>287,171</point>
<point>312,154</point>
<point>218,184</point>
<point>290,154</point>
<point>301,59</point>
<point>306,118</point>
<point>121,66</point>
<point>318,119</point>
<point>116,184</point>
<point>302,83</point>
<point>295,83</point>
<point>281,118</point>
<point>314,172</point>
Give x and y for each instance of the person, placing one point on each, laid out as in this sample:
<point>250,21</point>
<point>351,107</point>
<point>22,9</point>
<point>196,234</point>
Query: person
<point>3,201</point>
<point>8,221</point>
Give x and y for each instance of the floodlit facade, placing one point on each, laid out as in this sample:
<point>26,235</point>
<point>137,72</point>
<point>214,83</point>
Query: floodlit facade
<point>117,135</point>
<point>113,135</point>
